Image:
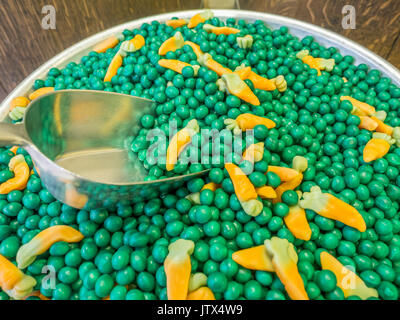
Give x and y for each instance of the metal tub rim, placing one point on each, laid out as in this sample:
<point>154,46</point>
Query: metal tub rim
<point>296,27</point>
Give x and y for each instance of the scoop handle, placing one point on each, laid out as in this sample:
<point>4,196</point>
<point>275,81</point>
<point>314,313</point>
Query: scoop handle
<point>12,134</point>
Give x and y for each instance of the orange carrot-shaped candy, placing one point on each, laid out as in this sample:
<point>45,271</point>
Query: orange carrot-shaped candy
<point>22,102</point>
<point>288,185</point>
<point>203,293</point>
<point>13,281</point>
<point>211,186</point>
<point>382,127</point>
<point>176,65</point>
<point>17,108</point>
<point>359,108</point>
<point>254,152</point>
<point>21,175</point>
<point>244,189</point>
<point>243,73</point>
<point>172,44</point>
<point>127,46</point>
<point>285,174</point>
<point>316,63</point>
<point>261,82</point>
<point>14,149</point>
<point>14,161</point>
<point>195,47</point>
<point>217,67</point>
<point>179,141</point>
<point>177,268</point>
<point>40,92</point>
<point>377,147</point>
<point>207,61</point>
<point>176,23</point>
<point>297,223</point>
<point>247,121</point>
<point>266,192</point>
<point>258,81</point>
<point>284,261</point>
<point>200,18</point>
<point>367,123</point>
<point>255,258</point>
<point>299,165</point>
<point>115,64</point>
<point>331,207</point>
<point>134,44</point>
<point>232,83</point>
<point>350,283</point>
<point>108,43</point>
<point>220,30</point>
<point>309,60</point>
<point>43,241</point>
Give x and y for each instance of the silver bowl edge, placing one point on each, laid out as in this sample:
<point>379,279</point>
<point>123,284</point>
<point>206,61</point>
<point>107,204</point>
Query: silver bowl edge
<point>296,27</point>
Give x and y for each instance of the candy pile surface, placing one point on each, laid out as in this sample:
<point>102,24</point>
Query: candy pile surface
<point>301,201</point>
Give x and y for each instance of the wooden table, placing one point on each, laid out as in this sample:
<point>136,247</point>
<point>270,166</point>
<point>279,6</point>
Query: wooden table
<point>24,45</point>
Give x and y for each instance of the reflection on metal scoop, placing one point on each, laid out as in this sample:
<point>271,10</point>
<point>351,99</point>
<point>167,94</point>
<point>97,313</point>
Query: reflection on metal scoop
<point>107,165</point>
<point>79,142</point>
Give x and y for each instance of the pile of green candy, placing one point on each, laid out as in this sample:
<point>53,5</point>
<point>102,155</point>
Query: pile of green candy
<point>124,249</point>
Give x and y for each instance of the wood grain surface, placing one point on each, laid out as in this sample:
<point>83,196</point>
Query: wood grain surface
<point>24,45</point>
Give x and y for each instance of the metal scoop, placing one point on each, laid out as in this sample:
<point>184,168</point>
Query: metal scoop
<point>79,141</point>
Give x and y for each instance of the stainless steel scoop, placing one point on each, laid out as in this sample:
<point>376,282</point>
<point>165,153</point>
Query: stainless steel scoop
<point>79,141</point>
